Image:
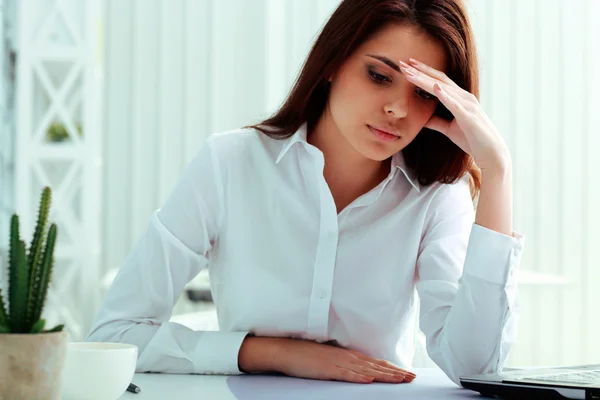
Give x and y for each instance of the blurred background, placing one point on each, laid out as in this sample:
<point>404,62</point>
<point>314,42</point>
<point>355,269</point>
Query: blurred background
<point>107,100</point>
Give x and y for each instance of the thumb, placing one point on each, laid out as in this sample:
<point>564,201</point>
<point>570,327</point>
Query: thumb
<point>438,124</point>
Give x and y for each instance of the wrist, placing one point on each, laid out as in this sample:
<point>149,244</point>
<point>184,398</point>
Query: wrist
<point>258,354</point>
<point>499,170</point>
<point>497,163</point>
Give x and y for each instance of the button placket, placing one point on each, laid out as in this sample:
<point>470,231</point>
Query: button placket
<point>318,314</point>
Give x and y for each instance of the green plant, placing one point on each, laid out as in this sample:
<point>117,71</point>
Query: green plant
<point>57,132</point>
<point>29,275</point>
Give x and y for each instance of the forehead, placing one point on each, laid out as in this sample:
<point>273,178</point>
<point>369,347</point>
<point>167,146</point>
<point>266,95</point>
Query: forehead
<point>401,42</point>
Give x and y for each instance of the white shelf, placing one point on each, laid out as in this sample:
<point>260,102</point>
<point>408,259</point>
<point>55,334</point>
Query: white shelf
<point>37,161</point>
<point>59,151</point>
<point>56,53</point>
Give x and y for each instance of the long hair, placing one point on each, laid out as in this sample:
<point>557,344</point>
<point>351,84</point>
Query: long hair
<point>431,155</point>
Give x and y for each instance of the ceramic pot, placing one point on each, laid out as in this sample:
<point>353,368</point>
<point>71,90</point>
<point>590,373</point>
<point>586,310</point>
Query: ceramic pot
<point>31,365</point>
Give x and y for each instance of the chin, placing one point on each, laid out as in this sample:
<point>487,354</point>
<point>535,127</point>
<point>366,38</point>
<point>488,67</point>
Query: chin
<point>376,154</point>
<point>369,148</point>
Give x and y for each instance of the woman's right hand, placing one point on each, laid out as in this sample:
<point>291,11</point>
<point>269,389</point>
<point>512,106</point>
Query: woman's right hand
<point>311,360</point>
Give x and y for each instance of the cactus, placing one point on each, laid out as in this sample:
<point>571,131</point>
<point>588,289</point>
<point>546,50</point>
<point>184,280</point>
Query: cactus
<point>29,275</point>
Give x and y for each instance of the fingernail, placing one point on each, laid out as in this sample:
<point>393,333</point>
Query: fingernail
<point>413,61</point>
<point>407,69</point>
<point>405,65</point>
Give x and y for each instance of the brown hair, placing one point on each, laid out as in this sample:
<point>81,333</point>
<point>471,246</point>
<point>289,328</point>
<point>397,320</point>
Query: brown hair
<point>431,155</point>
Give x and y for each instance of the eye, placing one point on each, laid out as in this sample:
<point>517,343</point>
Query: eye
<point>378,78</point>
<point>424,95</point>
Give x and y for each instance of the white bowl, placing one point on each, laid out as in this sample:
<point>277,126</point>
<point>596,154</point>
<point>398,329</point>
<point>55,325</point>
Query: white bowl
<point>97,370</point>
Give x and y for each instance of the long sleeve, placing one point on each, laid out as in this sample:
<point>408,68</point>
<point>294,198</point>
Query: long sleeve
<point>467,287</point>
<point>172,251</point>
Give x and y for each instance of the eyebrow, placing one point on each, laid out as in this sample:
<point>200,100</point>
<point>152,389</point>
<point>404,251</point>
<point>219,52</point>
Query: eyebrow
<point>386,61</point>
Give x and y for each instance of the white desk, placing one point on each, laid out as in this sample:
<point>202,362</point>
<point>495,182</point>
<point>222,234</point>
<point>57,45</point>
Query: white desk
<point>431,383</point>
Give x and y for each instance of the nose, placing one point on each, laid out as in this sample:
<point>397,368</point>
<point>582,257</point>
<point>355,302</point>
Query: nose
<point>397,108</point>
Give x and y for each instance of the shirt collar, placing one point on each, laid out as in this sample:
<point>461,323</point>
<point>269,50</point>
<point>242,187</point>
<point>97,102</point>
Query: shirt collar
<point>299,136</point>
<point>398,161</point>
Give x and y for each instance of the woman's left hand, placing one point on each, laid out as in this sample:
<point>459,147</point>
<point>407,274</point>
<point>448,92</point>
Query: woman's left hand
<point>471,129</point>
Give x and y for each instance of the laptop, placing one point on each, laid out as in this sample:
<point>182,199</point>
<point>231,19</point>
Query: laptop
<point>578,382</point>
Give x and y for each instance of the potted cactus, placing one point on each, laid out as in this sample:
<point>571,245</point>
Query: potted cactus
<point>31,358</point>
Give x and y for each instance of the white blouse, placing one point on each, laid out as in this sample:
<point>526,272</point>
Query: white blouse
<point>282,262</point>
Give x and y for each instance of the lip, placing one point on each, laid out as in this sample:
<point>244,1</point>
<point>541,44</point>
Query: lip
<point>384,135</point>
<point>389,132</point>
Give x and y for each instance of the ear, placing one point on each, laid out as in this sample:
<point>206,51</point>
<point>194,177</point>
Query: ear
<point>331,77</point>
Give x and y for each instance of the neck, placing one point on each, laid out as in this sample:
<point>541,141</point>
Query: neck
<point>347,172</point>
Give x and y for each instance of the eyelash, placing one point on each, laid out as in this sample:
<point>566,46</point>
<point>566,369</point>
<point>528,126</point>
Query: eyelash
<point>379,79</point>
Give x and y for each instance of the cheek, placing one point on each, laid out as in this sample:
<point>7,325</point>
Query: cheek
<point>423,113</point>
<point>352,94</point>
<point>418,118</point>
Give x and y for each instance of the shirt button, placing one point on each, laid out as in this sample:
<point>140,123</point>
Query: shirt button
<point>323,294</point>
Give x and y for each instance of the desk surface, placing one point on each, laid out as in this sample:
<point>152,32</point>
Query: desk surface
<point>431,383</point>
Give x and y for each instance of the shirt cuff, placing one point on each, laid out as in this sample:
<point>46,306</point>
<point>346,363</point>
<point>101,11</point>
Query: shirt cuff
<point>217,353</point>
<point>493,256</point>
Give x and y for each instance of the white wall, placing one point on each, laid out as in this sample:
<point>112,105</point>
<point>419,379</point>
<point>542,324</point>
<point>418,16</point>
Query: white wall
<point>180,70</point>
<point>7,11</point>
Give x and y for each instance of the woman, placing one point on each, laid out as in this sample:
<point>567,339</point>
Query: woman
<point>322,223</point>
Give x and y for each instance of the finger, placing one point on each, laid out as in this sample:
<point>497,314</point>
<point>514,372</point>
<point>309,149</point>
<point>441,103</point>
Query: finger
<point>346,375</point>
<point>450,101</point>
<point>426,82</point>
<point>439,75</point>
<point>385,364</point>
<point>388,364</point>
<point>386,369</point>
<point>378,375</point>
<point>390,378</point>
<point>368,367</point>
